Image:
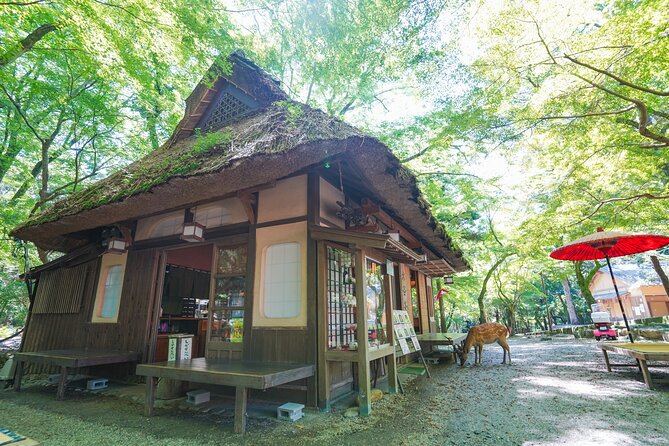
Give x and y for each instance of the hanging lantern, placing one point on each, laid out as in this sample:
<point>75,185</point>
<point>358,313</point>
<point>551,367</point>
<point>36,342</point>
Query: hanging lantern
<point>116,245</point>
<point>192,231</point>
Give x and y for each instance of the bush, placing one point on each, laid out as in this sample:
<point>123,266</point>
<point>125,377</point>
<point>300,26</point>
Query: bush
<point>13,300</point>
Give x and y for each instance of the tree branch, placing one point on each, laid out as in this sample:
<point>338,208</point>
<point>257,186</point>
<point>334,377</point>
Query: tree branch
<point>420,174</point>
<point>587,115</point>
<point>618,79</point>
<point>640,106</point>
<point>17,107</point>
<point>25,45</point>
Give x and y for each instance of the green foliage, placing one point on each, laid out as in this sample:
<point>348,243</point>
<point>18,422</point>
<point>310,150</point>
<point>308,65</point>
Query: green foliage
<point>570,96</point>
<point>294,111</point>
<point>13,300</point>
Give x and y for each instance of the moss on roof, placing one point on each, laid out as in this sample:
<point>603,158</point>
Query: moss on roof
<point>277,128</point>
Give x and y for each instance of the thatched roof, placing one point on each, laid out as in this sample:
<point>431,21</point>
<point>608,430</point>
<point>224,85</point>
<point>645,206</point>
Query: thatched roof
<point>280,139</point>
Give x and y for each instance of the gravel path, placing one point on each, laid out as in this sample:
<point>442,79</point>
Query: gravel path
<point>557,392</point>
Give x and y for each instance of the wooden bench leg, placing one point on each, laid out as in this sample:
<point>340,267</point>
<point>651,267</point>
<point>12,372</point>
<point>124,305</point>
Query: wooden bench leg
<point>646,373</point>
<point>150,395</point>
<point>18,375</point>
<point>606,360</point>
<point>60,393</point>
<point>240,410</point>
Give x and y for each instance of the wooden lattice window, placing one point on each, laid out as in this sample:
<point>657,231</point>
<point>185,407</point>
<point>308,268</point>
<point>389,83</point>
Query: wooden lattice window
<point>231,105</point>
<point>60,291</point>
<point>341,301</point>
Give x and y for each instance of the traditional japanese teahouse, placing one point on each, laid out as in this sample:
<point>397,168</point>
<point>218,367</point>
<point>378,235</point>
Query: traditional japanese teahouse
<point>272,233</point>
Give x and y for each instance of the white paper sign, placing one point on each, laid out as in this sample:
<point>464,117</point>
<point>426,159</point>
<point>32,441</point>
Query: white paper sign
<point>404,346</point>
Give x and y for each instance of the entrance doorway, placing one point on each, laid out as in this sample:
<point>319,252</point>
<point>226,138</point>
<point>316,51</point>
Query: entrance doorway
<point>185,299</point>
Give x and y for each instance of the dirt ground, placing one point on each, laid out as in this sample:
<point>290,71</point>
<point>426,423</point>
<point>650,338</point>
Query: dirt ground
<point>557,392</point>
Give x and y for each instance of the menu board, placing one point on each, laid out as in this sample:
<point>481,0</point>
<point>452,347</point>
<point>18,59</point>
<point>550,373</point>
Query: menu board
<point>405,336</point>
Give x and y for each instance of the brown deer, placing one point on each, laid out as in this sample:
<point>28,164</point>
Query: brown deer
<point>483,334</point>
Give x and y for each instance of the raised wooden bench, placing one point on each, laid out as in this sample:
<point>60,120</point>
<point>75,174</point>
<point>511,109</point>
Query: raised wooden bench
<point>430,340</point>
<point>242,375</point>
<point>70,359</point>
<point>642,352</point>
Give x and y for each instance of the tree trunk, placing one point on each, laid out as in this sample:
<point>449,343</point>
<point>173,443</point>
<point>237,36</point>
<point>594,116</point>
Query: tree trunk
<point>483,318</point>
<point>571,309</point>
<point>442,315</point>
<point>25,45</point>
<point>660,272</point>
<point>584,281</point>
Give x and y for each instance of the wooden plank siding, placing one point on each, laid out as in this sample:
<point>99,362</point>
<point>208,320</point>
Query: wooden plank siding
<point>52,297</point>
<point>54,331</point>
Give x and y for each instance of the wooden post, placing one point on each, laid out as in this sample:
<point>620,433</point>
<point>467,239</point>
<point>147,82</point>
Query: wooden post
<point>240,409</point>
<point>364,386</point>
<point>314,299</point>
<point>18,376</point>
<point>322,369</point>
<point>390,333</point>
<point>150,395</point>
<point>60,394</point>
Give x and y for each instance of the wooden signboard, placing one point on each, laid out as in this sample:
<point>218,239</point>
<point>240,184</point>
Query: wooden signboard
<point>405,336</point>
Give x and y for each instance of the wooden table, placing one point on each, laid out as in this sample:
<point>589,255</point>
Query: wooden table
<point>242,375</point>
<point>429,340</point>
<point>70,359</point>
<point>641,351</point>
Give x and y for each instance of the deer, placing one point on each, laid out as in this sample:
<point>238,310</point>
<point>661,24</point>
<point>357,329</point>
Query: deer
<point>483,334</point>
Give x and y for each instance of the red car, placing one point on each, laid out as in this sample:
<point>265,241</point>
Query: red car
<point>603,327</point>
<point>605,330</point>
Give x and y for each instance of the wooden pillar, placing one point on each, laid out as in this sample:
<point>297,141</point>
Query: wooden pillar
<point>60,393</point>
<point>364,385</point>
<point>314,298</point>
<point>18,375</point>
<point>150,395</point>
<point>423,302</point>
<point>390,334</point>
<point>322,368</point>
<point>240,409</point>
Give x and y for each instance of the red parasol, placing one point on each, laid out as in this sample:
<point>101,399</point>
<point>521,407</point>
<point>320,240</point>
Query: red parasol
<point>607,244</point>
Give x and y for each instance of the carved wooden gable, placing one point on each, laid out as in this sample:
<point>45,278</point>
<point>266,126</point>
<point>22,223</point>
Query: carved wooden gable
<point>231,104</point>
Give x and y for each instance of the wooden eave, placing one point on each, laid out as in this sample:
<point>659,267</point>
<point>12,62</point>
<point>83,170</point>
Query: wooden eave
<point>382,242</point>
<point>435,268</point>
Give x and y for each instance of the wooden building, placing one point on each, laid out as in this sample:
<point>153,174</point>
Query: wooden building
<point>268,230</point>
<point>641,295</point>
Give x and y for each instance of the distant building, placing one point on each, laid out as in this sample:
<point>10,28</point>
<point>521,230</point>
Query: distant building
<point>640,290</point>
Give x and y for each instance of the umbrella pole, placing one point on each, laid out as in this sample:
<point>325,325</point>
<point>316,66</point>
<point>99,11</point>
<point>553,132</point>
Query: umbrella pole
<point>620,302</point>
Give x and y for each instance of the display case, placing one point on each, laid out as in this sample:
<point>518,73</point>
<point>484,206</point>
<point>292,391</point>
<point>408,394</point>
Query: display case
<point>341,300</point>
<point>227,308</point>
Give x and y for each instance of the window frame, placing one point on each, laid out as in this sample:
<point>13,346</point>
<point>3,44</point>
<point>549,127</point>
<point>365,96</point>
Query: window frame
<point>297,299</point>
<point>107,263</point>
<point>272,235</point>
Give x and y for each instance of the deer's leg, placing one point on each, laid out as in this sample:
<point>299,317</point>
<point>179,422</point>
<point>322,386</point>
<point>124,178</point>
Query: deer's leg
<point>480,355</point>
<point>505,346</point>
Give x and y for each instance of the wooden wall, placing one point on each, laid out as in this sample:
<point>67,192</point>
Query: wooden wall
<point>75,330</point>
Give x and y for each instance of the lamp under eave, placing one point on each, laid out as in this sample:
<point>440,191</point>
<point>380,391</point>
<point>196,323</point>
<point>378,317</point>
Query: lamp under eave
<point>116,245</point>
<point>192,232</point>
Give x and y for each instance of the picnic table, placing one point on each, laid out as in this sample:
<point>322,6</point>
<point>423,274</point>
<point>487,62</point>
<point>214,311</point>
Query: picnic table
<point>70,359</point>
<point>642,352</point>
<point>430,340</point>
<point>242,375</point>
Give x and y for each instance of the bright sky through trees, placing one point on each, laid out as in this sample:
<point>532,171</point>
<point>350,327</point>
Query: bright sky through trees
<point>527,123</point>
